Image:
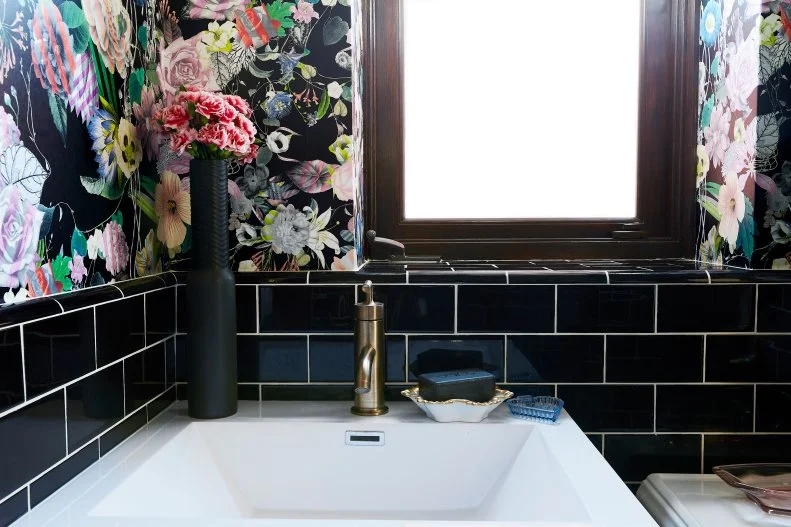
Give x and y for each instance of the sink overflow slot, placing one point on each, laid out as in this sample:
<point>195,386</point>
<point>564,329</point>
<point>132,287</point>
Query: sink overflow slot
<point>360,438</point>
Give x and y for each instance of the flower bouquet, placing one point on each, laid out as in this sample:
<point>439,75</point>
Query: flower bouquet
<point>209,125</point>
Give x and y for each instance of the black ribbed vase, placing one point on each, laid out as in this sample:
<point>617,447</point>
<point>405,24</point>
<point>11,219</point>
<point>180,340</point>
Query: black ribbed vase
<point>211,296</point>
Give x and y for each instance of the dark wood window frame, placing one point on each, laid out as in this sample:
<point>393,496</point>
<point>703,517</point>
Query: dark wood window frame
<point>666,155</point>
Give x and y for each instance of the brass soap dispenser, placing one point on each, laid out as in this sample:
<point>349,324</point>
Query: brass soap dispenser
<point>369,355</point>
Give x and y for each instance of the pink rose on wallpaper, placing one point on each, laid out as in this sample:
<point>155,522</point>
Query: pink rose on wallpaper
<point>303,12</point>
<point>20,223</point>
<point>180,65</point>
<point>343,182</point>
<point>116,251</point>
<point>9,133</point>
<point>215,9</point>
<point>742,79</point>
<point>717,134</point>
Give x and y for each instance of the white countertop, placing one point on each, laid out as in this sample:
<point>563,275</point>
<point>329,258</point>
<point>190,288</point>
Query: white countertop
<point>608,502</point>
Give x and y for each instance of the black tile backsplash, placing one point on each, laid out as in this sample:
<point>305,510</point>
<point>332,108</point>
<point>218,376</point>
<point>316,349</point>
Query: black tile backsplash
<point>623,343</point>
<point>556,358</point>
<point>272,359</point>
<point>654,358</point>
<point>697,408</point>
<point>417,308</point>
<point>302,309</point>
<point>605,309</point>
<point>774,307</point>
<point>706,308</point>
<point>12,390</point>
<point>610,407</point>
<point>120,329</point>
<point>748,358</point>
<point>58,350</point>
<point>516,309</point>
<point>432,354</point>
<point>32,439</point>
<point>62,409</point>
<point>94,404</point>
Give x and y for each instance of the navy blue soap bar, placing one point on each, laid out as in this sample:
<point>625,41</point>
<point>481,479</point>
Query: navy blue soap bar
<point>473,385</point>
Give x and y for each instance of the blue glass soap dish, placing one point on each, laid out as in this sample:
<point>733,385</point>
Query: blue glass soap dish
<point>536,408</point>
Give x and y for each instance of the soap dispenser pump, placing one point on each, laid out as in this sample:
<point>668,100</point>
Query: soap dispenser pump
<point>369,355</point>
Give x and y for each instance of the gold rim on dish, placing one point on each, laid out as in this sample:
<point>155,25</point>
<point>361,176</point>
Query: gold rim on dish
<point>500,396</point>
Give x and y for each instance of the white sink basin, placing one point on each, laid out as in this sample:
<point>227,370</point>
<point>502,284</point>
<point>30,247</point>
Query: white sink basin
<point>290,463</point>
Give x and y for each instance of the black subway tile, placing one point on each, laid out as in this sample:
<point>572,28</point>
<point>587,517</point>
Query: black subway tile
<point>433,354</point>
<point>395,369</point>
<point>272,359</point>
<point>748,358</point>
<point>170,278</point>
<point>181,357</point>
<point>530,389</point>
<point>556,358</point>
<point>170,361</point>
<point>774,307</point>
<point>308,392</point>
<point>731,449</point>
<point>88,297</point>
<point>296,309</point>
<point>609,408</point>
<point>145,376</point>
<point>418,308</point>
<point>771,408</point>
<point>654,358</point>
<point>490,276</point>
<point>702,408</point>
<point>31,309</point>
<point>119,329</point>
<point>11,389</point>
<point>596,439</point>
<point>32,439</point>
<point>706,308</point>
<point>332,359</point>
<point>515,308</point>
<point>659,277</point>
<point>115,436</point>
<point>63,473</point>
<point>246,309</point>
<point>160,403</point>
<point>634,457</point>
<point>94,404</point>
<point>140,285</point>
<point>271,277</point>
<point>13,507</point>
<point>182,320</point>
<point>248,392</point>
<point>557,277</point>
<point>160,314</point>
<point>58,350</point>
<point>605,309</point>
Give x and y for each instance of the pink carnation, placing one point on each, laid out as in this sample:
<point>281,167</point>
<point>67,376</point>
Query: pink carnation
<point>210,106</point>
<point>249,158</point>
<point>174,117</point>
<point>239,105</point>
<point>246,125</point>
<point>181,140</point>
<point>214,134</point>
<point>228,114</point>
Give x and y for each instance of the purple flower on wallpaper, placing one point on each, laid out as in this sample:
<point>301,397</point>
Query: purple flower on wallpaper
<point>717,133</point>
<point>77,268</point>
<point>20,223</point>
<point>116,251</point>
<point>9,132</point>
<point>303,12</point>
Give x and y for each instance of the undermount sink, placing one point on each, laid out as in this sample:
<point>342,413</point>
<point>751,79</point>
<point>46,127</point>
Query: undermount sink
<point>315,464</point>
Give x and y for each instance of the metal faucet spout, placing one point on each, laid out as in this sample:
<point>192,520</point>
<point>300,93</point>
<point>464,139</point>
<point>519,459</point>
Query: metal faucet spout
<point>362,378</point>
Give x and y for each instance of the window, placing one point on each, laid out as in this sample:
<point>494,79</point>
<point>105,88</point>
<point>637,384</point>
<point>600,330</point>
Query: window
<point>531,131</point>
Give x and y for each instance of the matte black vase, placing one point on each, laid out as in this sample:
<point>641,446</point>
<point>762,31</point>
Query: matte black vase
<point>211,296</point>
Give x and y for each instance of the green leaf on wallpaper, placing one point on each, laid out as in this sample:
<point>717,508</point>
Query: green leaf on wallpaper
<point>110,188</point>
<point>746,238</point>
<point>7,99</point>
<point>57,107</point>
<point>136,81</point>
<point>142,36</point>
<point>152,76</point>
<point>281,11</point>
<point>346,93</point>
<point>713,189</point>
<point>146,205</point>
<point>307,70</point>
<point>72,15</point>
<point>334,30</point>
<point>710,206</point>
<point>81,38</point>
<point>340,109</point>
<point>324,105</point>
<point>60,269</point>
<point>118,218</point>
<point>79,245</point>
<point>705,114</point>
<point>258,72</point>
<point>347,236</point>
<point>264,156</point>
<point>344,2</point>
<point>715,65</point>
<point>148,184</point>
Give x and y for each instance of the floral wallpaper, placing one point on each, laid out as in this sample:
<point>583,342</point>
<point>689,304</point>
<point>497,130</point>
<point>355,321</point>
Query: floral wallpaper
<point>88,186</point>
<point>743,97</point>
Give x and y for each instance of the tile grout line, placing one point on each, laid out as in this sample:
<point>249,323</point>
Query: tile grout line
<point>702,451</point>
<point>95,342</point>
<point>655,390</point>
<point>28,497</point>
<point>507,279</point>
<point>406,359</point>
<point>24,373</point>
<point>757,288</point>
<point>755,397</point>
<point>257,310</point>
<point>556,309</point>
<point>607,276</point>
<point>656,308</point>
<point>66,418</point>
<point>505,359</point>
<point>123,383</point>
<point>705,350</point>
<point>455,309</point>
<point>145,319</point>
<point>308,356</point>
<point>709,277</point>
<point>604,361</point>
<point>74,381</point>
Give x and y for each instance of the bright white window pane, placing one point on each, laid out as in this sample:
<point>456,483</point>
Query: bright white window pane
<point>521,109</point>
